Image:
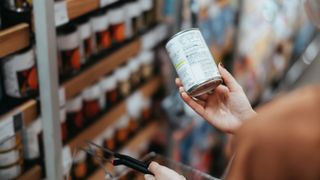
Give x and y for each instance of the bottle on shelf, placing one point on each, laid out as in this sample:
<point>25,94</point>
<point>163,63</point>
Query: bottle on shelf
<point>146,59</point>
<point>117,22</point>
<point>100,27</point>
<point>14,12</point>
<point>92,104</point>
<point>135,74</point>
<point>69,48</point>
<point>63,125</point>
<point>31,150</point>
<point>75,119</point>
<point>109,87</point>
<point>79,167</point>
<point>20,74</point>
<point>122,130</point>
<point>122,75</point>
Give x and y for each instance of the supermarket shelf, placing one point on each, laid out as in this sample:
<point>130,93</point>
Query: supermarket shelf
<point>106,65</point>
<point>14,39</point>
<point>34,173</point>
<point>144,135</point>
<point>27,110</point>
<point>77,8</point>
<point>111,117</point>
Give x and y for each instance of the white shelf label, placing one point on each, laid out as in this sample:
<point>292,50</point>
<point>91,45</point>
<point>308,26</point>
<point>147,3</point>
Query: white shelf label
<point>66,160</point>
<point>61,13</point>
<point>62,96</point>
<point>6,128</point>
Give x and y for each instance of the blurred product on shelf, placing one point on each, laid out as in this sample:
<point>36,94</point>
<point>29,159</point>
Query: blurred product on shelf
<point>135,74</point>
<point>121,132</point>
<point>69,48</point>
<point>63,125</point>
<point>146,60</point>
<point>117,22</point>
<point>193,62</point>
<point>109,140</point>
<point>75,119</point>
<point>10,143</point>
<point>133,106</point>
<point>31,150</point>
<point>79,166</point>
<point>146,110</point>
<point>92,105</point>
<point>100,27</point>
<point>147,12</point>
<point>122,75</point>
<point>14,12</point>
<point>11,156</point>
<point>109,88</point>
<point>87,44</point>
<point>20,74</point>
<point>135,13</point>
<point>93,161</point>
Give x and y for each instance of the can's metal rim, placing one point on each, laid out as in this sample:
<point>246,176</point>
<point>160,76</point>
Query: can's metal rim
<point>181,32</point>
<point>217,79</point>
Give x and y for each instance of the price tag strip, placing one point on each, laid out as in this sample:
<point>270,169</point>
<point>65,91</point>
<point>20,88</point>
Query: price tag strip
<point>61,13</point>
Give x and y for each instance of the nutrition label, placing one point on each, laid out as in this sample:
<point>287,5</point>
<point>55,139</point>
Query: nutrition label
<point>192,58</point>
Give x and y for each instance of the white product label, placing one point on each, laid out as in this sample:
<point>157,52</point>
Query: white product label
<point>66,160</point>
<point>191,58</point>
<point>62,97</point>
<point>31,141</point>
<point>104,3</point>
<point>6,129</point>
<point>61,13</point>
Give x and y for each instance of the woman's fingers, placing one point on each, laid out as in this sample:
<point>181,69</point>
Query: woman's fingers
<point>203,97</point>
<point>149,177</point>
<point>228,79</point>
<point>199,108</point>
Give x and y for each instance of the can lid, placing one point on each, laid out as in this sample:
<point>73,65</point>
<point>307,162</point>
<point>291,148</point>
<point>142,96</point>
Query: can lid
<point>146,5</point>
<point>68,41</point>
<point>116,15</point>
<point>122,73</point>
<point>146,57</point>
<point>67,29</point>
<point>20,61</point>
<point>74,104</point>
<point>108,83</point>
<point>100,21</point>
<point>133,65</point>
<point>133,9</point>
<point>92,92</point>
<point>63,115</point>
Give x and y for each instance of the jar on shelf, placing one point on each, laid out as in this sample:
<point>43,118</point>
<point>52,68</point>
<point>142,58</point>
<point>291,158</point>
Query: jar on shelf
<point>94,161</point>
<point>63,125</point>
<point>109,139</point>
<point>147,12</point>
<point>69,48</point>
<point>92,101</point>
<point>122,75</point>
<point>146,110</point>
<point>135,74</point>
<point>146,59</point>
<point>133,19</point>
<point>100,27</point>
<point>75,119</point>
<point>31,146</point>
<point>109,88</point>
<point>133,105</point>
<point>122,132</point>
<point>15,12</point>
<point>117,22</point>
<point>87,43</point>
<point>20,74</point>
<point>11,171</point>
<point>79,167</point>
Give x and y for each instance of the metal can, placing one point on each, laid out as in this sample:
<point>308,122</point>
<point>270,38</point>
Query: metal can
<point>193,62</point>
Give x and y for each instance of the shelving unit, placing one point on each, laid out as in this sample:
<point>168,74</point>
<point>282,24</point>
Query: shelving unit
<point>144,135</point>
<point>14,39</point>
<point>111,117</point>
<point>77,8</point>
<point>106,65</point>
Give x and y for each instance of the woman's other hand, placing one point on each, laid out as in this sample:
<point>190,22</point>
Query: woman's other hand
<point>162,173</point>
<point>225,108</point>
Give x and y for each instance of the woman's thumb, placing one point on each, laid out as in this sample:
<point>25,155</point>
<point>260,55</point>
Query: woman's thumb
<point>228,79</point>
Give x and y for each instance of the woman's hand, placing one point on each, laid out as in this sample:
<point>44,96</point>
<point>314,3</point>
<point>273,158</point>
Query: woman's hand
<point>162,173</point>
<point>225,108</point>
